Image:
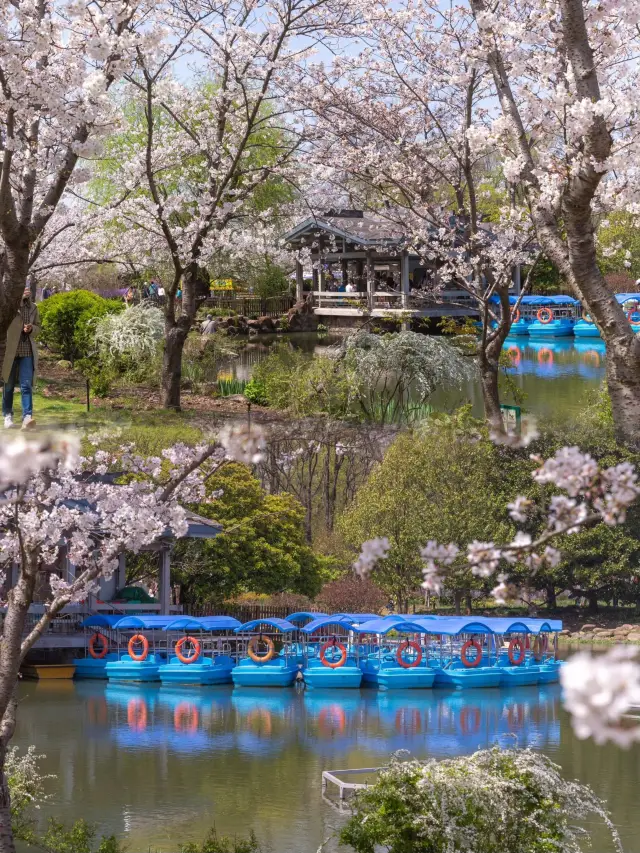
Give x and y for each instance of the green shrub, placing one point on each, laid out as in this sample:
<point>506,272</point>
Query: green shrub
<point>255,392</point>
<point>69,321</point>
<point>214,843</point>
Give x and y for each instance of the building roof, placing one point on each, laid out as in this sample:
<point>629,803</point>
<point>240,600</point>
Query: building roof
<point>367,231</point>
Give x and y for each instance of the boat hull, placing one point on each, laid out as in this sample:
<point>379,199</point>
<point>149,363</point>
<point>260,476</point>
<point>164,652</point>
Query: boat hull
<point>482,676</point>
<point>127,669</point>
<point>392,676</point>
<point>319,676</point>
<point>93,668</point>
<point>520,328</point>
<point>582,329</point>
<point>519,676</point>
<point>554,329</point>
<point>271,674</point>
<point>206,671</point>
<point>549,672</point>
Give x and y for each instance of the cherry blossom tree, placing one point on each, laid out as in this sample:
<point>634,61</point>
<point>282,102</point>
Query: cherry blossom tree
<point>567,81</point>
<point>198,151</point>
<point>391,133</point>
<point>58,60</point>
<point>60,508</point>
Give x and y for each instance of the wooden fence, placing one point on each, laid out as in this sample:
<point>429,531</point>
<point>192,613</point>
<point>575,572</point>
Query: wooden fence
<point>251,306</point>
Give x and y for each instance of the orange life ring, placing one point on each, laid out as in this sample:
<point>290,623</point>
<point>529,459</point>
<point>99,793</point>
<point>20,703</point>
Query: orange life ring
<point>408,721</point>
<point>630,317</point>
<point>137,714</point>
<point>516,641</point>
<point>545,316</point>
<point>186,718</point>
<point>545,356</point>
<point>516,317</point>
<point>464,720</point>
<point>251,649</point>
<point>332,713</point>
<point>262,717</point>
<point>333,644</point>
<point>138,638</point>
<point>197,648</point>
<point>402,648</point>
<point>92,646</point>
<point>471,664</point>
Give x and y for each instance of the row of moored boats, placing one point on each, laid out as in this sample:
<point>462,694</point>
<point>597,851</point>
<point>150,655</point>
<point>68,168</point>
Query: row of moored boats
<point>342,650</point>
<point>560,316</point>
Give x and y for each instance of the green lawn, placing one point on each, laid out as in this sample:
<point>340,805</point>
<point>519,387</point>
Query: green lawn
<point>149,431</point>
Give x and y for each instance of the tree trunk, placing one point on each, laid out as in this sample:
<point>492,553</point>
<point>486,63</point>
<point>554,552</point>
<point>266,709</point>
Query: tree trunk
<point>175,337</point>
<point>550,592</point>
<point>457,602</point>
<point>623,384</point>
<point>12,283</point>
<point>592,598</point>
<point>7,844</point>
<point>491,394</point>
<point>468,602</point>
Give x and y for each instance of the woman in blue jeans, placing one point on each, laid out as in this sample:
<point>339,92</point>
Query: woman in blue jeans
<point>21,361</point>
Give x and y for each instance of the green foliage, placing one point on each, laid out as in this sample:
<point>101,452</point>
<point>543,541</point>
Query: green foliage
<point>69,321</point>
<point>231,387</point>
<point>495,801</point>
<point>255,392</point>
<point>214,843</point>
<point>619,245</point>
<point>262,548</point>
<point>26,785</point>
<point>78,838</point>
<point>269,280</point>
<point>441,482</point>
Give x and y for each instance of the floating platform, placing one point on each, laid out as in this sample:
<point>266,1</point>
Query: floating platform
<point>48,671</point>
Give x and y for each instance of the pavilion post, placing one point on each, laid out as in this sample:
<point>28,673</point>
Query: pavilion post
<point>164,581</point>
<point>299,282</point>
<point>344,266</point>
<point>370,281</point>
<point>404,279</point>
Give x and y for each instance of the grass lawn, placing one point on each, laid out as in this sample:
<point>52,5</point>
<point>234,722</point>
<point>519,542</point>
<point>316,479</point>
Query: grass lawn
<point>149,431</point>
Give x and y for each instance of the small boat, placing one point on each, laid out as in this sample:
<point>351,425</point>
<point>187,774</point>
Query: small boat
<point>399,664</point>
<point>144,657</point>
<point>555,317</point>
<point>586,328</point>
<point>263,667</point>
<point>93,668</point>
<point>200,657</point>
<point>48,671</point>
<point>331,659</point>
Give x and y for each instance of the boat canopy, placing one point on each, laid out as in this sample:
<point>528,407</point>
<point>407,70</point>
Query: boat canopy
<point>526,300</point>
<point>325,621</point>
<point>303,615</point>
<point>386,625</point>
<point>627,297</point>
<point>203,623</point>
<point>279,624</point>
<point>117,622</point>
<point>561,299</point>
<point>354,617</point>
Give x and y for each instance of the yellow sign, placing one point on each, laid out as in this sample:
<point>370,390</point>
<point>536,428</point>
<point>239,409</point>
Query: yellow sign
<point>221,284</point>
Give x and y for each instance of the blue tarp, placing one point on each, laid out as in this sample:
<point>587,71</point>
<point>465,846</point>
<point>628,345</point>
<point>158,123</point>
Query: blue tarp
<point>280,624</point>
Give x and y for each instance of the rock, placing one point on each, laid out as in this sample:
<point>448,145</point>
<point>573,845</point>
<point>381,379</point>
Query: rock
<point>630,627</point>
<point>621,630</point>
<point>63,364</point>
<point>565,633</point>
<point>588,627</point>
<point>301,317</point>
<point>634,637</point>
<point>266,324</point>
<point>601,634</point>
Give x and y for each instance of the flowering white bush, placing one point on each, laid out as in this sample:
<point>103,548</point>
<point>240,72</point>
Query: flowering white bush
<point>135,332</point>
<point>494,801</point>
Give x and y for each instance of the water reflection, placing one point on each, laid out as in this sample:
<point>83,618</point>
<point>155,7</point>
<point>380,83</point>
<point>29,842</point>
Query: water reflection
<point>160,765</point>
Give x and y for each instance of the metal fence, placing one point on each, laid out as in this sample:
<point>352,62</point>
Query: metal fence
<point>246,612</point>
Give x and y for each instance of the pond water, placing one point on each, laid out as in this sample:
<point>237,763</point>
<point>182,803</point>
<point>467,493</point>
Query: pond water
<point>159,766</point>
<point>556,375</point>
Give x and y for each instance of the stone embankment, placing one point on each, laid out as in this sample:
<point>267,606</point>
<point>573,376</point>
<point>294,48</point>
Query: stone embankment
<point>591,633</point>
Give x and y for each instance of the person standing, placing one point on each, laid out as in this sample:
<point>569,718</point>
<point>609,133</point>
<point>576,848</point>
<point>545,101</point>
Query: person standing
<point>20,361</point>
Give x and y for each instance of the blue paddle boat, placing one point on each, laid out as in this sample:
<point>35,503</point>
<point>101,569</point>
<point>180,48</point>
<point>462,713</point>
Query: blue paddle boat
<point>199,658</point>
<point>262,667</point>
<point>397,664</point>
<point>331,660</point>
<point>586,328</point>
<point>556,317</point>
<point>143,658</point>
<point>101,647</point>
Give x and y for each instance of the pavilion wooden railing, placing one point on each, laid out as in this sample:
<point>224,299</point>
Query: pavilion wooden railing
<point>251,306</point>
